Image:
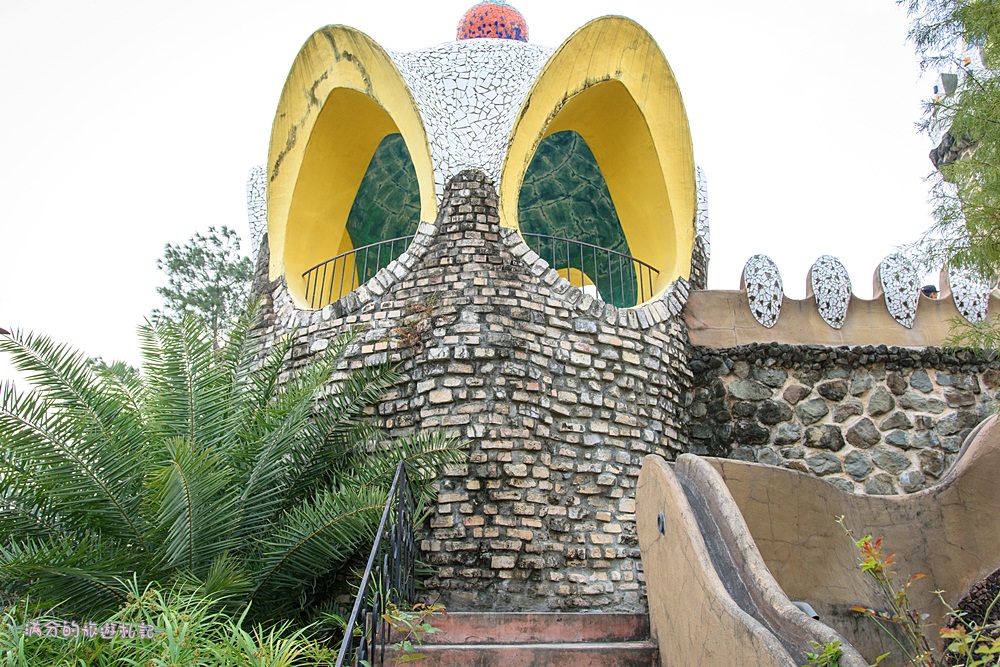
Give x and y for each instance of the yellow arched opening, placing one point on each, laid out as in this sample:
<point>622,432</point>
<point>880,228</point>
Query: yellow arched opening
<point>575,276</point>
<point>610,83</point>
<point>342,97</point>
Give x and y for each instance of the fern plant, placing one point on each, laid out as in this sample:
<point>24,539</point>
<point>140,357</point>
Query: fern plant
<point>207,466</point>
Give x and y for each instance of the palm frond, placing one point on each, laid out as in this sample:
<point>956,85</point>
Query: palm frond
<point>316,537</point>
<point>85,480</point>
<point>423,454</point>
<point>345,420</point>
<point>81,575</point>
<point>193,505</point>
<point>25,510</point>
<point>264,379</point>
<point>69,381</point>
<point>188,390</point>
<point>79,400</point>
<point>287,435</point>
<point>226,580</point>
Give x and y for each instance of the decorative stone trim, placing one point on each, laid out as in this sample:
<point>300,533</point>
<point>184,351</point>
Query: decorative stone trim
<point>641,317</point>
<point>257,206</point>
<point>762,283</point>
<point>379,284</point>
<point>701,216</point>
<point>831,287</point>
<point>900,288</point>
<point>971,294</point>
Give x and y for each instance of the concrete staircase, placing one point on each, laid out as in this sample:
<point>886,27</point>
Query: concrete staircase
<point>540,639</point>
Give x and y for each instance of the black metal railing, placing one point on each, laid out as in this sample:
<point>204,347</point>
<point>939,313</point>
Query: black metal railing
<point>388,577</point>
<point>328,281</point>
<point>620,279</point>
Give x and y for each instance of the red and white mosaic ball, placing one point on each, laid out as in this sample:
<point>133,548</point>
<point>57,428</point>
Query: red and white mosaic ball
<point>493,19</point>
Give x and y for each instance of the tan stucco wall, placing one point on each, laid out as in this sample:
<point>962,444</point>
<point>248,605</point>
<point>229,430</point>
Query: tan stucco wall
<point>950,532</point>
<point>692,617</point>
<point>722,318</point>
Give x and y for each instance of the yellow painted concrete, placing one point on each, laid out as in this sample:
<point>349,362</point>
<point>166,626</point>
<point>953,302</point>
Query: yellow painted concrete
<point>343,95</point>
<point>611,83</point>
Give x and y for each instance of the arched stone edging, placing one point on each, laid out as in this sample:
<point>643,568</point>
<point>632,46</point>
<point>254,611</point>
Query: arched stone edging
<point>668,306</point>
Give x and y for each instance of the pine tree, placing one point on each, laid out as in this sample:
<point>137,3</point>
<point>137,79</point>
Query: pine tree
<point>961,38</point>
<point>207,277</point>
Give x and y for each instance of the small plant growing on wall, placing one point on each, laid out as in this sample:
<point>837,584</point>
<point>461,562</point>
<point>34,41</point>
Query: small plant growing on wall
<point>968,642</point>
<point>416,323</point>
<point>825,655</point>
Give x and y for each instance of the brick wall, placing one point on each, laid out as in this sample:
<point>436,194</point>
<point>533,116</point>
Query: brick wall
<point>560,396</point>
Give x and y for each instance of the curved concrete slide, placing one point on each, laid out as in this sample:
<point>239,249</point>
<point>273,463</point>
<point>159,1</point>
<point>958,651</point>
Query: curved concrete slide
<point>712,600</point>
<point>950,532</point>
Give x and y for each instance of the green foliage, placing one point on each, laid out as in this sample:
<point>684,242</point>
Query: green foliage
<point>965,192</point>
<point>180,626</point>
<point>207,277</point>
<point>825,655</point>
<point>387,205</point>
<point>899,621</point>
<point>981,337</point>
<point>966,642</point>
<point>969,643</point>
<point>564,194</point>
<point>408,628</point>
<point>208,466</point>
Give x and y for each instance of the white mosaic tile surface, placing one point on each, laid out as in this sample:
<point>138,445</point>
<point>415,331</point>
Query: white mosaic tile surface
<point>701,216</point>
<point>900,288</point>
<point>257,205</point>
<point>971,294</point>
<point>762,283</point>
<point>469,94</point>
<point>831,288</point>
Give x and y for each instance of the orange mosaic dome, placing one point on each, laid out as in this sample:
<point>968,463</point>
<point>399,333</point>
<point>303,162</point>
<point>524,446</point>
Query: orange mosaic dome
<point>493,19</point>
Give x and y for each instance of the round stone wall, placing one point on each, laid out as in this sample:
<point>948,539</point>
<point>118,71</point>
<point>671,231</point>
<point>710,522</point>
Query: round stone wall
<point>558,394</point>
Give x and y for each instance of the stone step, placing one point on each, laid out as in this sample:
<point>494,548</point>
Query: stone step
<point>570,654</point>
<point>530,639</point>
<point>536,627</point>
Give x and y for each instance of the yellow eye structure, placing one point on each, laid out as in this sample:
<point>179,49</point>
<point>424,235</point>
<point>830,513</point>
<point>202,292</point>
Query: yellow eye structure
<point>587,147</point>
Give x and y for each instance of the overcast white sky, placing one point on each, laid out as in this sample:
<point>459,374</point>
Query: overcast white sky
<point>125,125</point>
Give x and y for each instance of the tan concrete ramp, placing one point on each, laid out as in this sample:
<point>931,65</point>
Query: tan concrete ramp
<point>712,600</point>
<point>725,545</point>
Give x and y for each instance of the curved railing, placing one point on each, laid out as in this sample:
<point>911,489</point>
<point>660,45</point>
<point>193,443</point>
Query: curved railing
<point>328,281</point>
<point>620,279</point>
<point>388,577</point>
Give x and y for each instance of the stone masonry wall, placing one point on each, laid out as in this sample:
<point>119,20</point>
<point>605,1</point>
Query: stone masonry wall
<point>876,420</point>
<point>560,396</point>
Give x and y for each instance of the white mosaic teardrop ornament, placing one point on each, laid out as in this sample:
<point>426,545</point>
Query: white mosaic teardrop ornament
<point>831,287</point>
<point>900,288</point>
<point>971,294</point>
<point>762,283</point>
